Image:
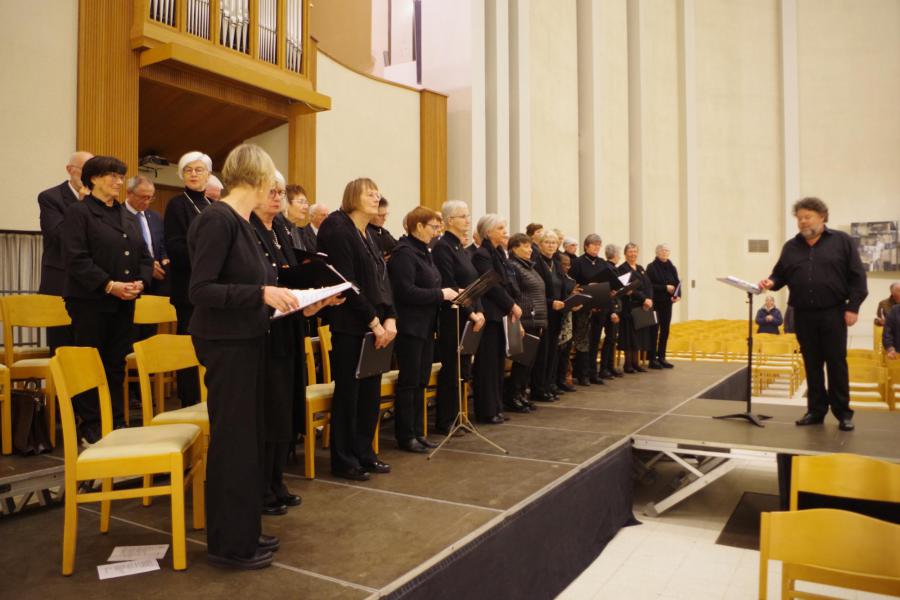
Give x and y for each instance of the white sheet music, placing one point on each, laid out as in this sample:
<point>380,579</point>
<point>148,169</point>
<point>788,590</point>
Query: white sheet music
<point>311,296</point>
<point>123,569</point>
<point>741,284</point>
<point>127,553</point>
<point>625,278</point>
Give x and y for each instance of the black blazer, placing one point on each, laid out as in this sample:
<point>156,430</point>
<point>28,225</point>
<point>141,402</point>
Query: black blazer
<point>643,291</point>
<point>308,238</point>
<point>499,299</point>
<point>454,263</point>
<point>102,244</point>
<point>416,284</point>
<point>662,274</point>
<point>53,204</point>
<point>890,337</point>
<point>359,261</point>
<point>180,213</point>
<point>228,272</point>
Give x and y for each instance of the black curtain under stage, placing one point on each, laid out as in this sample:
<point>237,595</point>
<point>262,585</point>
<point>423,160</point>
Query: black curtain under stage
<point>539,550</point>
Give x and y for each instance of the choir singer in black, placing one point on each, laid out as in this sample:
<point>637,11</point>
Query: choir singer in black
<point>663,277</point>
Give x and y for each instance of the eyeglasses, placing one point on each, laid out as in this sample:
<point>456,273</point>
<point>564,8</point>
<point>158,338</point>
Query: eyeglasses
<point>145,197</point>
<point>280,193</point>
<point>194,170</point>
<point>434,226</point>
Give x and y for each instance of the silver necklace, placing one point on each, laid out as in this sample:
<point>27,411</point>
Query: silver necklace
<point>194,206</point>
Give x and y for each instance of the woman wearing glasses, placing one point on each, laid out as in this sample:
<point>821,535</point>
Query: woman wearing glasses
<point>354,409</point>
<point>194,169</point>
<point>107,267</point>
<point>416,283</point>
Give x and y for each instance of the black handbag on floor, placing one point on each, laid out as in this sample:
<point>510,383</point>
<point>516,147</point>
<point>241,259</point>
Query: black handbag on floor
<point>29,420</point>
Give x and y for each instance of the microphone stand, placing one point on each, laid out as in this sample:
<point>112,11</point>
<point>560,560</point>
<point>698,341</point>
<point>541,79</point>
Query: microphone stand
<point>462,416</point>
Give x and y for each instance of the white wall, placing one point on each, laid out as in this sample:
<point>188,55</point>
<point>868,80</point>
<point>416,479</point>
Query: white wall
<point>37,104</point>
<point>372,130</point>
<point>275,142</point>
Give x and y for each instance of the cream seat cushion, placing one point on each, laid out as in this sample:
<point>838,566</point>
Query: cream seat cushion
<point>188,414</point>
<point>133,442</point>
<point>32,362</point>
<point>318,391</point>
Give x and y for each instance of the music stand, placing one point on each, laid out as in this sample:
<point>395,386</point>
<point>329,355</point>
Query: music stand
<point>462,416</point>
<point>751,289</point>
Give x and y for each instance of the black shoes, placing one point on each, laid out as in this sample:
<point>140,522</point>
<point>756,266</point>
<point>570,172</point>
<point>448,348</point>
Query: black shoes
<point>596,380</point>
<point>274,509</point>
<point>846,424</point>
<point>353,473</point>
<point>424,441</point>
<point>268,542</point>
<point>666,364</point>
<point>377,467</point>
<point>495,420</point>
<point>413,445</point>
<point>583,381</point>
<point>655,364</point>
<point>810,419</point>
<point>556,391</point>
<point>290,500</point>
<point>618,373</point>
<point>515,405</point>
<point>565,387</point>
<point>260,560</point>
<point>630,371</point>
<point>606,374</point>
<point>639,369</point>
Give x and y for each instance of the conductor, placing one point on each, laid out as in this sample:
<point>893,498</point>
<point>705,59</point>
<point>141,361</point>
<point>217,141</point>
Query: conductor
<point>827,284</point>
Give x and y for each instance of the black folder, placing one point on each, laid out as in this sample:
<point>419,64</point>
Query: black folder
<point>373,361</point>
<point>599,293</point>
<point>468,343</point>
<point>577,299</point>
<point>530,345</point>
<point>514,334</point>
<point>313,271</point>
<point>643,318</point>
<point>477,288</point>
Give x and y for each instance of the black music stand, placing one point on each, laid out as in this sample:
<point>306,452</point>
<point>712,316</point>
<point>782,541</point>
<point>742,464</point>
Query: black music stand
<point>751,290</point>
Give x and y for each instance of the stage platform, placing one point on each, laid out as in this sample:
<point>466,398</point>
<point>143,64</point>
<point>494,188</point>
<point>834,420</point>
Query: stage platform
<point>470,523</point>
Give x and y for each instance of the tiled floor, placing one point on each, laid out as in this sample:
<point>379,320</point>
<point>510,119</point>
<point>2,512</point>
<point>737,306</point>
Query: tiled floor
<point>675,555</point>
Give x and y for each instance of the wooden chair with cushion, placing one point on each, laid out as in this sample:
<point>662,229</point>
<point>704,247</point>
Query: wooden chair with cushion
<point>148,310</point>
<point>318,404</point>
<point>175,450</point>
<point>845,476</point>
<point>831,547</point>
<point>33,310</point>
<point>868,386</point>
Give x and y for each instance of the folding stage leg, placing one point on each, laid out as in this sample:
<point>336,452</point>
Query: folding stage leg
<point>697,479</point>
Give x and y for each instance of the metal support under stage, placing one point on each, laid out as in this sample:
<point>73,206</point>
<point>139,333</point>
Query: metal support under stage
<point>716,462</point>
<point>25,485</point>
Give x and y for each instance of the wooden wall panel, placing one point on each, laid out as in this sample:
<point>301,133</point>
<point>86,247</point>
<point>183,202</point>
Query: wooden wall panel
<point>302,136</point>
<point>108,71</point>
<point>433,149</point>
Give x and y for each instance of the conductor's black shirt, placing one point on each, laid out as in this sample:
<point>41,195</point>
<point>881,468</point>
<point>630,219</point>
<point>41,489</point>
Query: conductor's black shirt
<point>825,275</point>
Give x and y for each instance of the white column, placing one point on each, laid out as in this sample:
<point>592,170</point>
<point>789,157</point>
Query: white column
<point>589,115</point>
<point>497,103</point>
<point>791,114</point>
<point>690,221</point>
<point>635,131</point>
<point>479,112</point>
<point>520,114</point>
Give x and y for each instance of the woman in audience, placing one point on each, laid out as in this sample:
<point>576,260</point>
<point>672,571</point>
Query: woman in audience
<point>416,283</point>
<point>543,381</point>
<point>107,267</point>
<point>355,407</point>
<point>498,302</point>
<point>232,287</point>
<point>632,341</point>
<point>194,169</point>
<point>455,266</point>
<point>768,318</point>
<point>532,297</point>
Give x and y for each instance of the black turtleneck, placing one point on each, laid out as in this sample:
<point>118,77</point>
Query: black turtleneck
<point>180,212</point>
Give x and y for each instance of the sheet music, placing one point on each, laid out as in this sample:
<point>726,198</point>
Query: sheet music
<point>123,569</point>
<point>309,297</point>
<point>740,284</point>
<point>131,553</point>
<point>625,278</point>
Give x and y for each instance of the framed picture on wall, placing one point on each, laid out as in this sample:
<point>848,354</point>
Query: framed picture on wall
<point>878,244</point>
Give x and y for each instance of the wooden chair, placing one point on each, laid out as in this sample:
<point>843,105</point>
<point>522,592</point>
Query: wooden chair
<point>166,353</point>
<point>870,355</point>
<point>735,350</point>
<point>868,386</point>
<point>33,310</point>
<point>775,357</point>
<point>148,310</point>
<point>171,449</point>
<point>878,339</point>
<point>892,387</point>
<point>708,349</point>
<point>831,547</point>
<point>318,404</point>
<point>680,347</point>
<point>846,476</point>
<point>5,411</point>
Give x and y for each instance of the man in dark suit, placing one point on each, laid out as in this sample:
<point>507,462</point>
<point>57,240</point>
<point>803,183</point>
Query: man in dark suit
<point>141,192</point>
<point>53,204</point>
<point>310,232</point>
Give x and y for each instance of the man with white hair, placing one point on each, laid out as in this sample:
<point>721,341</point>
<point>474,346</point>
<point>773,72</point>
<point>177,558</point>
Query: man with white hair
<point>53,203</point>
<point>666,291</point>
<point>317,214</point>
<point>214,188</point>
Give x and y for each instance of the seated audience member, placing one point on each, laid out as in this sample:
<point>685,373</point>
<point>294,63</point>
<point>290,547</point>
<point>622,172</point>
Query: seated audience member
<point>885,306</point>
<point>214,188</point>
<point>498,302</point>
<point>532,297</point>
<point>382,237</point>
<point>768,318</point>
<point>632,340</point>
<point>140,192</point>
<point>107,267</point>
<point>890,337</point>
<point>53,203</point>
<point>345,238</point>
<point>418,294</point>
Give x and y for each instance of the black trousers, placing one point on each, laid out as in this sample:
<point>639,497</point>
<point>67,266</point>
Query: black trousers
<point>448,377</point>
<point>487,371</point>
<point>274,460</point>
<point>110,333</point>
<point>659,333</point>
<point>520,375</point>
<point>608,353</point>
<point>58,337</point>
<point>823,342</point>
<point>235,372</point>
<point>354,409</point>
<point>186,379</point>
<point>414,362</point>
<point>598,318</point>
<point>550,341</point>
